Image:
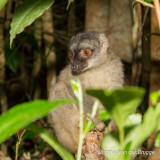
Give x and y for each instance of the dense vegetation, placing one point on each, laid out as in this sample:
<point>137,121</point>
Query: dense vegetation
<point>30,63</point>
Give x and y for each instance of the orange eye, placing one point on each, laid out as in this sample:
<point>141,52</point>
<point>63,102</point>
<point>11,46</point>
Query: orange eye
<point>86,52</point>
<point>72,54</point>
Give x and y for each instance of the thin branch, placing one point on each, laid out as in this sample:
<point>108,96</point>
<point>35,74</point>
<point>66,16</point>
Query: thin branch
<point>19,141</point>
<point>145,3</point>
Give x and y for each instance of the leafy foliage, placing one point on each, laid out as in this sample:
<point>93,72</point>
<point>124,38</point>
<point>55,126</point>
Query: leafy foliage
<point>23,114</point>
<point>121,104</point>
<point>157,140</point>
<point>26,13</point>
<point>154,97</point>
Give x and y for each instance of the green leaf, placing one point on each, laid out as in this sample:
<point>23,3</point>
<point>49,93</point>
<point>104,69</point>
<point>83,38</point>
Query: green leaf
<point>26,13</point>
<point>150,123</point>
<point>111,147</point>
<point>148,1</point>
<point>88,126</point>
<point>133,120</point>
<point>104,115</point>
<point>154,97</point>
<point>2,3</point>
<point>75,87</point>
<point>51,140</point>
<point>157,140</point>
<point>23,114</point>
<point>69,3</point>
<point>127,149</point>
<point>120,103</point>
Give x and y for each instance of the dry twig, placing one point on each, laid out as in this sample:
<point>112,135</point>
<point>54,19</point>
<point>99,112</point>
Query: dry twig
<point>19,134</point>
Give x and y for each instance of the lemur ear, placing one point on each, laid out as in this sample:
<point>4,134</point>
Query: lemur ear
<point>103,41</point>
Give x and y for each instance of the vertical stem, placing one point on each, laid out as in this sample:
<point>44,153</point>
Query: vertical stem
<point>81,122</point>
<point>121,137</point>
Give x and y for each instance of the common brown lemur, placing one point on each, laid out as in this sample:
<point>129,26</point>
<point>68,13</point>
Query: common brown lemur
<point>93,62</point>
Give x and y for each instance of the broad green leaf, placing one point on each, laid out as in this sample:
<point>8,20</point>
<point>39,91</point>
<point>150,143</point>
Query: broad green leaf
<point>69,2</point>
<point>150,123</point>
<point>120,103</point>
<point>133,120</point>
<point>157,140</point>
<point>127,149</point>
<point>2,3</point>
<point>26,13</point>
<point>23,114</point>
<point>111,147</point>
<point>51,140</point>
<point>154,97</point>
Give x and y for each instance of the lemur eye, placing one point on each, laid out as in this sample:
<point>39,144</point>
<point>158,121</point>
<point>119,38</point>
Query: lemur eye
<point>87,52</point>
<point>72,54</point>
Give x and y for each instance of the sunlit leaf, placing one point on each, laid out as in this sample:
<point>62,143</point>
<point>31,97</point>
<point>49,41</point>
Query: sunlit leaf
<point>2,3</point>
<point>111,147</point>
<point>157,140</point>
<point>154,97</point>
<point>23,114</point>
<point>150,123</point>
<point>133,120</point>
<point>104,115</point>
<point>120,103</point>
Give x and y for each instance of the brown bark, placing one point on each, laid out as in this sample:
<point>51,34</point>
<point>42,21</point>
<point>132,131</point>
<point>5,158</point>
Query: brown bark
<point>49,49</point>
<point>92,146</point>
<point>115,18</point>
<point>3,96</point>
<point>96,15</point>
<point>155,40</point>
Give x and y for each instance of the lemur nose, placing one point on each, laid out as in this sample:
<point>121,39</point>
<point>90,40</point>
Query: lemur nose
<point>74,67</point>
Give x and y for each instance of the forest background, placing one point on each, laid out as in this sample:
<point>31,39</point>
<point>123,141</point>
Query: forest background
<point>38,54</point>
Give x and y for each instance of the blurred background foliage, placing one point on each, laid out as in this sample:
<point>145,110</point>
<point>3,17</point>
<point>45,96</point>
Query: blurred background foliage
<point>39,53</point>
